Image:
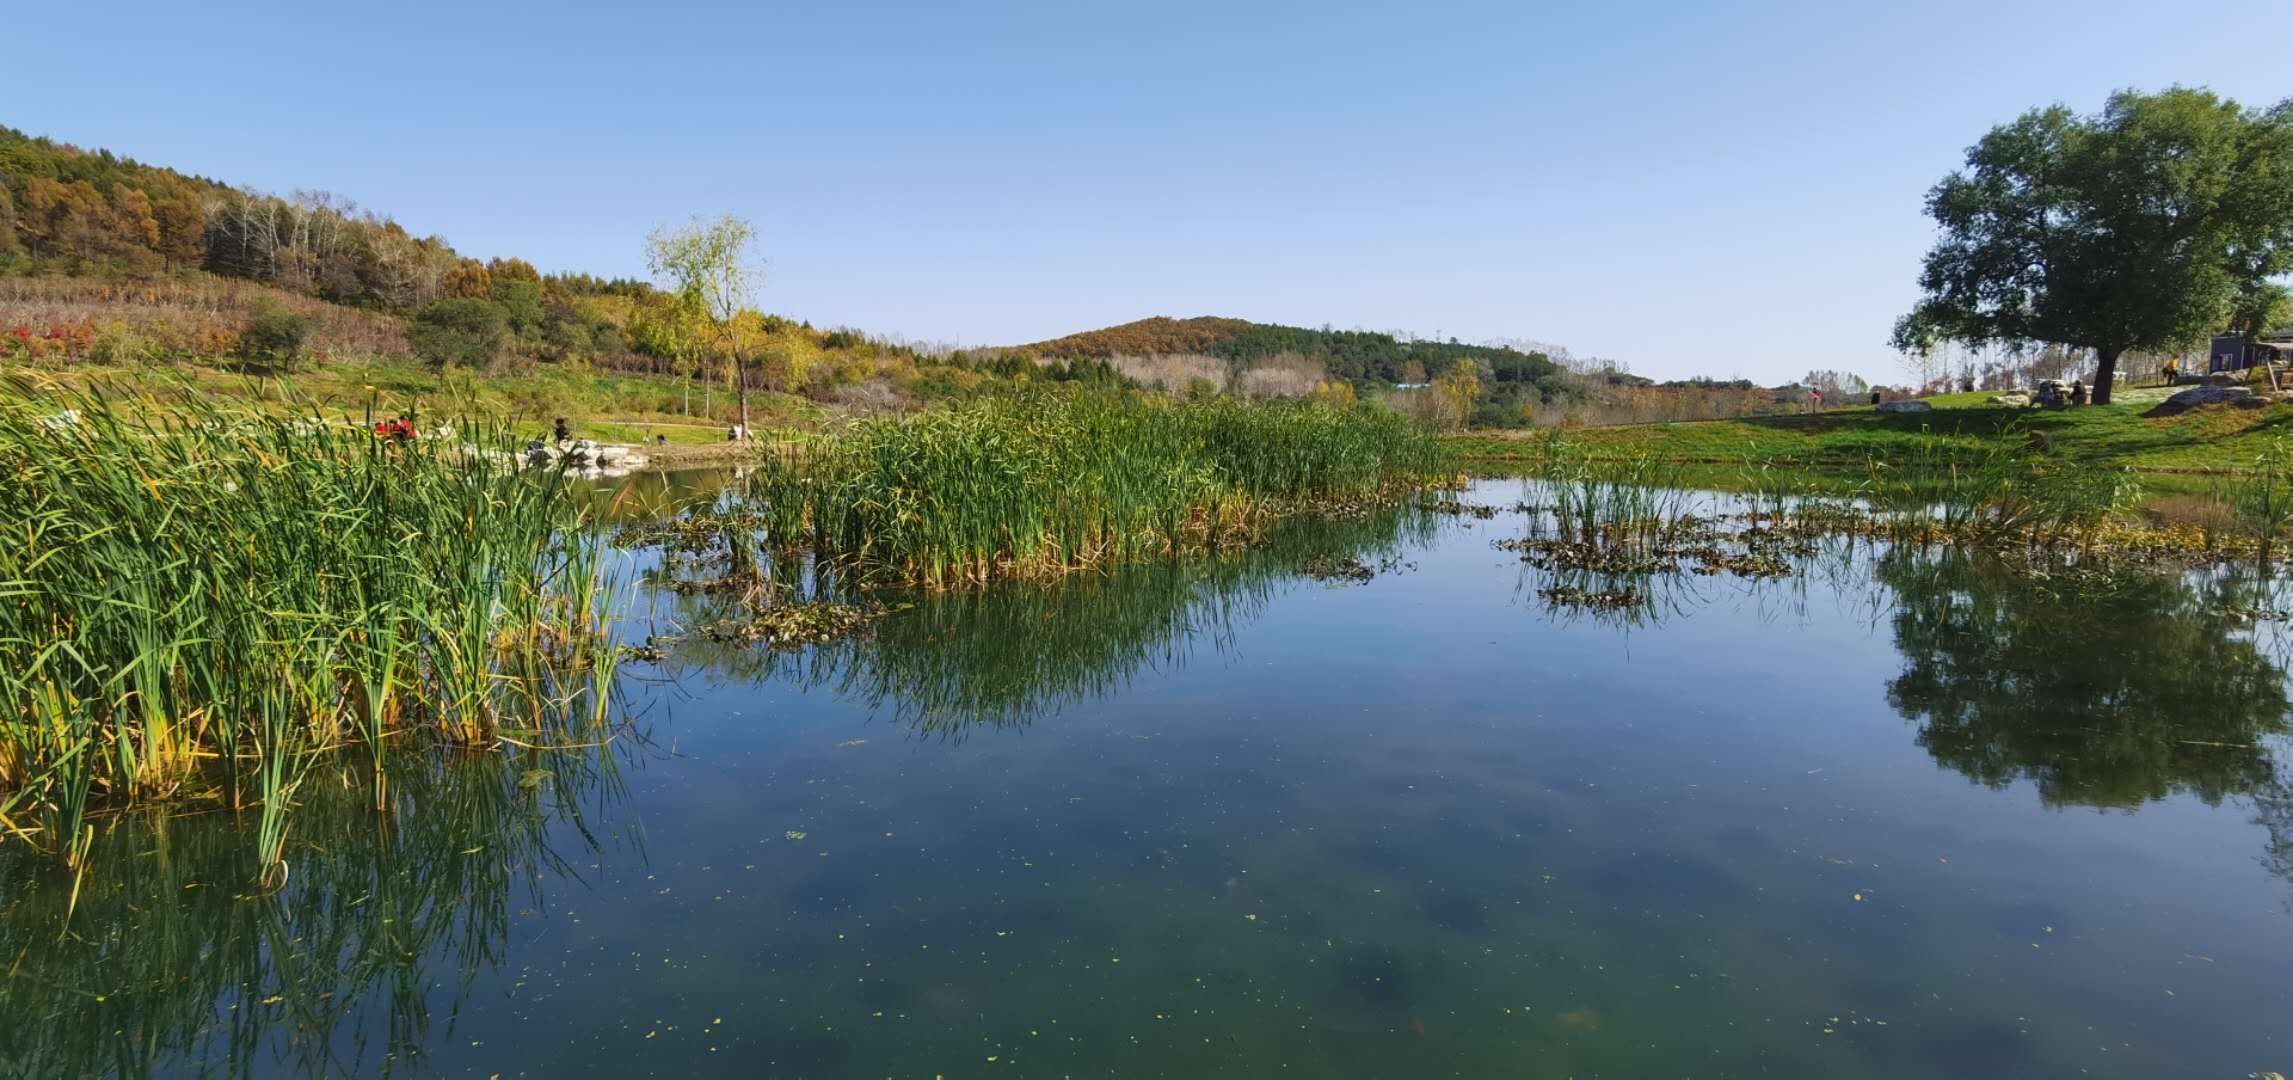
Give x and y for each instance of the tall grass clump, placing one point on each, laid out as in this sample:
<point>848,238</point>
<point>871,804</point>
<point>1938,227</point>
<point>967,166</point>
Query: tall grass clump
<point>1047,483</point>
<point>1997,495</point>
<point>1636,503</point>
<point>2261,498</point>
<point>195,603</point>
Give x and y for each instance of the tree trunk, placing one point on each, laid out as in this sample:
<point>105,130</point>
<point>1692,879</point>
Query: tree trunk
<point>2105,371</point>
<point>740,379</point>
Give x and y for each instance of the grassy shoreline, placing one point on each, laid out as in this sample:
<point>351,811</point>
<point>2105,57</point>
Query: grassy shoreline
<point>2215,440</point>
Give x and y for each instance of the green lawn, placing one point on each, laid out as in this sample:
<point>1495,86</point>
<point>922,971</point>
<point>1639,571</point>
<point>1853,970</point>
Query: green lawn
<point>2213,439</point>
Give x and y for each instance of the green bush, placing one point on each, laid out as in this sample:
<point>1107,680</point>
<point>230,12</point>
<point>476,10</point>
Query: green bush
<point>520,302</point>
<point>459,332</point>
<point>274,337</point>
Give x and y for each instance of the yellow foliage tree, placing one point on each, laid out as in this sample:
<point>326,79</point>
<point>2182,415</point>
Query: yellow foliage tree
<point>1457,390</point>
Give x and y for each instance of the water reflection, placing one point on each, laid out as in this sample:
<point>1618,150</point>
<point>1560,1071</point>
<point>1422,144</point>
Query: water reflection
<point>945,662</point>
<point>2102,694</point>
<point>161,959</point>
<point>1301,858</point>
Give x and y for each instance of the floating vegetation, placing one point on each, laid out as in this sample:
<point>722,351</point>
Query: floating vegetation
<point>1597,599</point>
<point>1342,569</point>
<point>650,652</point>
<point>1460,509</point>
<point>789,625</point>
<point>201,603</point>
<point>1050,483</point>
<point>711,531</point>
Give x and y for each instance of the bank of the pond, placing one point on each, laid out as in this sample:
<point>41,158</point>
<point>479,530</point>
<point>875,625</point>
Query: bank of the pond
<point>2217,439</point>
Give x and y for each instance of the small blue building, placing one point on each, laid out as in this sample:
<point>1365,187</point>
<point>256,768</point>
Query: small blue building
<point>2231,352</point>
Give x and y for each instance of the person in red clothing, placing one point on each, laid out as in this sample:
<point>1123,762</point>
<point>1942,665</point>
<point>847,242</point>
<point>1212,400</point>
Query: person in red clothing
<point>396,429</point>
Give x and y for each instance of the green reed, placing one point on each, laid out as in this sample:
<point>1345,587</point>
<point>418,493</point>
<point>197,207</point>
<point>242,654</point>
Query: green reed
<point>1051,482</point>
<point>201,602</point>
<point>1634,502</point>
<point>2261,499</point>
<point>1930,491</point>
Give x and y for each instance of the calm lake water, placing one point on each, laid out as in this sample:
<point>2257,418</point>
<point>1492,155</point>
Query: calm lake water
<point>1901,815</point>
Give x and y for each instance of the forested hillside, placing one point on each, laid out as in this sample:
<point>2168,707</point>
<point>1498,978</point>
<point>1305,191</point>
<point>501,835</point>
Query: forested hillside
<point>108,263</point>
<point>105,260</point>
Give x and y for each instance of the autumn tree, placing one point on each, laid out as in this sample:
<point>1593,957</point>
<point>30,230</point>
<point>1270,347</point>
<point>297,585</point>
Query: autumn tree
<point>713,262</point>
<point>513,269</point>
<point>468,280</point>
<point>786,355</point>
<point>9,247</point>
<point>182,220</point>
<point>1458,390</point>
<point>672,327</point>
<point>2133,229</point>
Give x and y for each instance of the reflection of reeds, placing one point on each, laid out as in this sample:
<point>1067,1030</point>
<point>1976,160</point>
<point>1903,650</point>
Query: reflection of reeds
<point>943,661</point>
<point>201,602</point>
<point>1049,483</point>
<point>163,963</point>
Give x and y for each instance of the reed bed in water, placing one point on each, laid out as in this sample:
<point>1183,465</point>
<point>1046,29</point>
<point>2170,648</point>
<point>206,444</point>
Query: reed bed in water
<point>1638,515</point>
<point>196,603</point>
<point>1048,483</point>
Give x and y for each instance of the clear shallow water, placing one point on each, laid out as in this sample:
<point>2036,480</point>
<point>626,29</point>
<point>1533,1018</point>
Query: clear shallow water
<point>1899,816</point>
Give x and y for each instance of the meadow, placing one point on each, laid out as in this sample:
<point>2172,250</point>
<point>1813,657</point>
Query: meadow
<point>2212,440</point>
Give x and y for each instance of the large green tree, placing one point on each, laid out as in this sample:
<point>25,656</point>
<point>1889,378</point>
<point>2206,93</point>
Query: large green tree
<point>2136,228</point>
<point>714,263</point>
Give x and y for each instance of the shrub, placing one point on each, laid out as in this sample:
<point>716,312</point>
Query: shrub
<point>459,332</point>
<point>273,337</point>
<point>521,303</point>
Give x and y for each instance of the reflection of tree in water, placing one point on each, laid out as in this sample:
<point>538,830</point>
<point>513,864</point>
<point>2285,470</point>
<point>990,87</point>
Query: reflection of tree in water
<point>2109,697</point>
<point>1017,652</point>
<point>165,963</point>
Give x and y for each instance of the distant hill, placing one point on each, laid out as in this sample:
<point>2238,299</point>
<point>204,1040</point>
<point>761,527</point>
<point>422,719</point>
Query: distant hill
<point>1363,357</point>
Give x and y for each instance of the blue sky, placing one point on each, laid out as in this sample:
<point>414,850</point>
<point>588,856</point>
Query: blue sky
<point>1718,189</point>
